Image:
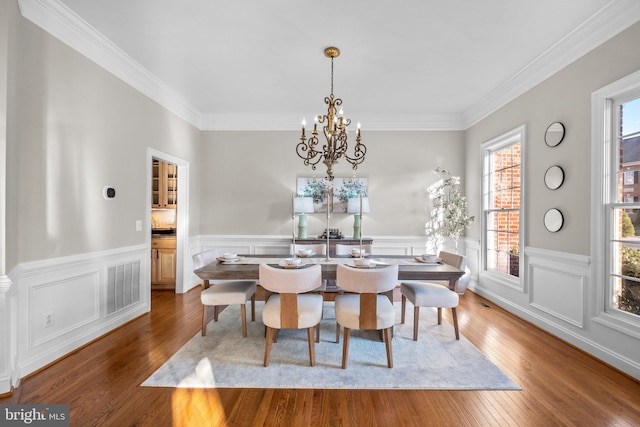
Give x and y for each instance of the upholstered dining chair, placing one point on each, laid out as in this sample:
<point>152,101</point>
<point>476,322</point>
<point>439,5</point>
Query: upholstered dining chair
<point>220,293</point>
<point>433,294</point>
<point>317,249</point>
<point>346,249</point>
<point>365,307</point>
<point>290,306</point>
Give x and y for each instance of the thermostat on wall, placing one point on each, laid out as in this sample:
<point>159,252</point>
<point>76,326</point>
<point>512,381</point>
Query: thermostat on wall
<point>108,192</point>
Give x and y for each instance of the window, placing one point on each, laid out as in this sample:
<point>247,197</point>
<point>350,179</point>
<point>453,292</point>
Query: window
<point>502,198</point>
<point>616,208</point>
<point>623,210</point>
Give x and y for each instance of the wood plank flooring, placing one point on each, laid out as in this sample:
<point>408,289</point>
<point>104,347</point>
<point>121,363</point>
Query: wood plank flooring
<point>561,386</point>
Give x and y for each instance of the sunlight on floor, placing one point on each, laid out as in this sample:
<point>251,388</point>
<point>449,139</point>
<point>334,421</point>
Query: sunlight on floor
<point>197,407</point>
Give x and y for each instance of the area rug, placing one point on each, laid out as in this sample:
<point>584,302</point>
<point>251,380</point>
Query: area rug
<point>223,359</point>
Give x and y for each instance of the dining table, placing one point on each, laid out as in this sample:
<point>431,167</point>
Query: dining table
<point>245,267</point>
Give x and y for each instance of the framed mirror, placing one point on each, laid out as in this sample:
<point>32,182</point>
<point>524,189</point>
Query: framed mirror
<point>553,220</point>
<point>554,134</point>
<point>554,177</point>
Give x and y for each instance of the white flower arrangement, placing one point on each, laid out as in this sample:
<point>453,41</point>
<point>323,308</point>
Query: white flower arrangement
<point>449,215</point>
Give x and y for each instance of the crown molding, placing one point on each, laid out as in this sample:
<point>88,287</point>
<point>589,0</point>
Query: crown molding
<point>612,19</point>
<point>62,23</point>
<point>388,122</point>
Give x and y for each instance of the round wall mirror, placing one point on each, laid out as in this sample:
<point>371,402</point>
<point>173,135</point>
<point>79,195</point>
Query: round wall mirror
<point>554,177</point>
<point>554,134</point>
<point>553,220</point>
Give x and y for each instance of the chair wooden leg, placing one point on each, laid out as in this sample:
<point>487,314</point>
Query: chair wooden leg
<point>267,346</point>
<point>253,307</point>
<point>204,320</point>
<point>317,328</point>
<point>454,315</point>
<point>416,320</point>
<point>345,348</point>
<point>243,314</point>
<point>216,312</point>
<point>387,341</point>
<point>312,349</point>
<point>439,315</point>
<point>404,306</point>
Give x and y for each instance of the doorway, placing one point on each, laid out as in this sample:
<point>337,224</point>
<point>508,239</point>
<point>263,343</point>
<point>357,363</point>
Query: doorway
<point>175,212</point>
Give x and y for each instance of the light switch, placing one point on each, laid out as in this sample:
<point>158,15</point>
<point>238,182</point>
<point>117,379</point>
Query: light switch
<point>138,225</point>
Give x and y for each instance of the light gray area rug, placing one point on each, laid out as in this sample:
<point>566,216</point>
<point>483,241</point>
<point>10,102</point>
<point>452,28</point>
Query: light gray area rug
<point>223,359</point>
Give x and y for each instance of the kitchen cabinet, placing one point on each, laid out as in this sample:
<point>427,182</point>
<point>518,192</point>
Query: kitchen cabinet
<point>163,263</point>
<point>164,183</point>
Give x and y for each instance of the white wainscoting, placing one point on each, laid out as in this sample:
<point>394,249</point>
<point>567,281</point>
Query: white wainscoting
<point>64,303</point>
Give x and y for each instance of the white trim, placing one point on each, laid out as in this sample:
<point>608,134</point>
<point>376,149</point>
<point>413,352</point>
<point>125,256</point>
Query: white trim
<point>612,19</point>
<point>79,319</point>
<point>514,136</point>
<point>64,24</point>
<point>601,156</point>
<point>61,22</point>
<point>183,257</point>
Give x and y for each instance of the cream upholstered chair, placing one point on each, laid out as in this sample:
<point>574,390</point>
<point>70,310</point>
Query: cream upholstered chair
<point>290,307</point>
<point>433,294</point>
<point>365,307</point>
<point>346,249</point>
<point>220,293</point>
<point>318,249</point>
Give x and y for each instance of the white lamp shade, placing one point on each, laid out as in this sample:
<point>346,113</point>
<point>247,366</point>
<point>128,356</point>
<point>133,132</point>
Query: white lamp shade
<point>353,205</point>
<point>303,204</point>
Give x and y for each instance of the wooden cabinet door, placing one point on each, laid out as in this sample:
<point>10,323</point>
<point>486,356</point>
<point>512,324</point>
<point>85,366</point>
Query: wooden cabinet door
<point>166,266</point>
<point>154,266</point>
<point>164,182</point>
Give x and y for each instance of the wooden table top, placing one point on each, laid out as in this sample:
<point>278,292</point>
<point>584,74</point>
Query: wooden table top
<point>407,270</point>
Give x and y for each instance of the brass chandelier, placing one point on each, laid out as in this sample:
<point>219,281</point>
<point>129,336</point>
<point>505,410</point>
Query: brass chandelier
<point>335,132</point>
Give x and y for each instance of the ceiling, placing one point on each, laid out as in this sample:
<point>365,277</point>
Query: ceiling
<point>255,64</point>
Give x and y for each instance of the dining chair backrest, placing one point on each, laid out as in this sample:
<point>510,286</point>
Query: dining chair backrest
<point>346,249</point>
<point>294,281</point>
<point>372,280</point>
<point>319,249</point>
<point>455,260</point>
<point>203,258</point>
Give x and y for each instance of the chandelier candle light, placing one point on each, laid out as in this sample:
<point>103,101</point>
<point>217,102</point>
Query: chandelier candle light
<point>335,132</point>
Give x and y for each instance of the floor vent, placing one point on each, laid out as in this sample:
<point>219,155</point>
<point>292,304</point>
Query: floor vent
<point>123,286</point>
<point>484,304</point>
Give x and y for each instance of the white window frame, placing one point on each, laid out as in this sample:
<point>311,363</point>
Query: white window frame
<point>603,166</point>
<point>508,138</point>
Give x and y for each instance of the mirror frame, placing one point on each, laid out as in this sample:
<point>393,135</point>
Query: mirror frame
<point>554,177</point>
<point>553,137</point>
<point>553,220</point>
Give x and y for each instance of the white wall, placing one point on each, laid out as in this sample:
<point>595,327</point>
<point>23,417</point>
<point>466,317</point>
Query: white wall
<point>559,291</point>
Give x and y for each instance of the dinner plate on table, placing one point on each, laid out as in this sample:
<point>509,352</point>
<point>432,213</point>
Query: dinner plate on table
<point>436,262</point>
<point>229,261</point>
<point>284,264</point>
<point>367,267</point>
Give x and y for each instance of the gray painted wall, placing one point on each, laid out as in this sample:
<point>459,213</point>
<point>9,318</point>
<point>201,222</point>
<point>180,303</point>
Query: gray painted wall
<point>74,128</point>
<point>250,177</point>
<point>565,97</point>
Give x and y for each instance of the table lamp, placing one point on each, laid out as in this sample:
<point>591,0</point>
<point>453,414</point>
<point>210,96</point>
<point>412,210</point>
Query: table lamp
<point>302,206</point>
<point>357,206</point>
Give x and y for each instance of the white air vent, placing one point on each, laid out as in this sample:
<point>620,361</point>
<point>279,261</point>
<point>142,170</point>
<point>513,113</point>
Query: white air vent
<point>123,286</point>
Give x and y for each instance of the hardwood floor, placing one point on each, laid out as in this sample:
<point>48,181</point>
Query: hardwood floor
<point>560,385</point>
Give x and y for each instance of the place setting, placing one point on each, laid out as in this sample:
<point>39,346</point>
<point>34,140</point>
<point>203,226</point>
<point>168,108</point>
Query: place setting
<point>429,259</point>
<point>230,258</point>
